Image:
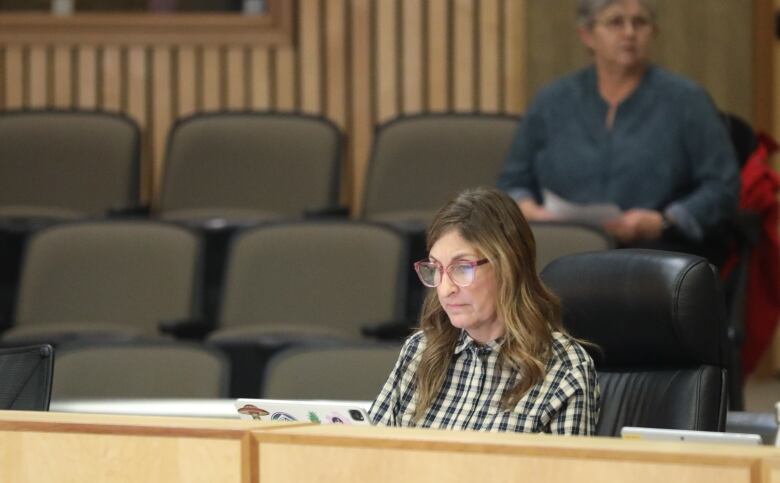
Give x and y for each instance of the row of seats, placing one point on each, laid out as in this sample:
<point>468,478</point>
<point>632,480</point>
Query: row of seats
<point>240,165</point>
<point>655,321</point>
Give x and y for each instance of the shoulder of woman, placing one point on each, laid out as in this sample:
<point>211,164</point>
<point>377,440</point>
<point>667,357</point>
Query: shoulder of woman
<point>675,85</point>
<point>569,352</point>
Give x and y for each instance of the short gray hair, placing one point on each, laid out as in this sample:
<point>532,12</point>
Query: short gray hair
<point>588,9</point>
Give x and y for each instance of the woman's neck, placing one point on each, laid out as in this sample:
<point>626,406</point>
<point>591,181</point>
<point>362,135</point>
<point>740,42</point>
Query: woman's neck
<point>616,85</point>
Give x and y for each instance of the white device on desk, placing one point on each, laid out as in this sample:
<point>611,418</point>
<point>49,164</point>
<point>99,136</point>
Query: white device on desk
<point>654,434</point>
<point>324,412</point>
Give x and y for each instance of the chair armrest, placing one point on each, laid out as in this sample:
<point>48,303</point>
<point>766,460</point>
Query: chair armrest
<point>139,210</point>
<point>186,328</point>
<point>332,212</point>
<point>392,330</point>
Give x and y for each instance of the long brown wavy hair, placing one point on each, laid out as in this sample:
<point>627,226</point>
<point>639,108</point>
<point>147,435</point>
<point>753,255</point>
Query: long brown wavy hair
<point>492,222</point>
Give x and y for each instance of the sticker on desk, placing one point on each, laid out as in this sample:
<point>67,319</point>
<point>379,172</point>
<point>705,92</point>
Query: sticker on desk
<point>252,410</point>
<point>336,418</point>
<point>282,416</point>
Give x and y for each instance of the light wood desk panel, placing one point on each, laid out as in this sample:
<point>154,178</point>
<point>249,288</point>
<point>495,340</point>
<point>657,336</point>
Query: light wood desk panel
<point>347,454</point>
<point>62,447</point>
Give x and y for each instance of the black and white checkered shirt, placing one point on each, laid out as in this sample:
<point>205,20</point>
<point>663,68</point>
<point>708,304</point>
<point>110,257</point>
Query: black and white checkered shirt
<point>565,402</point>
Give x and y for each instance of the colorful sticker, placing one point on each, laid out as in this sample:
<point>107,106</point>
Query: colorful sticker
<point>252,410</point>
<point>313,417</point>
<point>336,418</point>
<point>280,416</point>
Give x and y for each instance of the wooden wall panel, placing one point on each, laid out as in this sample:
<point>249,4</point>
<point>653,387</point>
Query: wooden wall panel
<point>356,62</point>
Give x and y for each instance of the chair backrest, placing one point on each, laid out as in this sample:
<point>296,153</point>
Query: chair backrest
<point>26,375</point>
<point>337,275</point>
<point>244,164</point>
<point>67,163</point>
<point>338,372</point>
<point>139,370</point>
<point>420,162</point>
<point>556,239</point>
<point>131,274</point>
<point>658,319</point>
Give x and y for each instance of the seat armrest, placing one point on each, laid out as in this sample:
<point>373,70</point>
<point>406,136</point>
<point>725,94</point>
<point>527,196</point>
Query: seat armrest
<point>332,212</point>
<point>139,210</point>
<point>392,330</point>
<point>195,329</point>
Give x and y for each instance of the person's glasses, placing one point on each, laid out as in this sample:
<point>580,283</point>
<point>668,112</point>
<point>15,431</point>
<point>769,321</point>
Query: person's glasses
<point>618,23</point>
<point>461,272</point>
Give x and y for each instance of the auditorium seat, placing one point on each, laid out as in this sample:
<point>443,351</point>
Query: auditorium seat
<point>353,372</point>
<point>139,370</point>
<point>105,279</point>
<point>555,239</point>
<point>250,166</point>
<point>657,320</point>
<point>298,281</point>
<point>419,162</point>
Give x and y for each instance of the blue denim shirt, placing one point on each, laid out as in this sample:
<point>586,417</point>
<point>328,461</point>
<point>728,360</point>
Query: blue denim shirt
<point>667,150</point>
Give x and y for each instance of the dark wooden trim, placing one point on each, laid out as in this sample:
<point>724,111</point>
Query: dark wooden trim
<point>273,28</point>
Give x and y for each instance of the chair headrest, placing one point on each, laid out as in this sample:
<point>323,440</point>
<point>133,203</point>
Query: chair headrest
<point>642,307</point>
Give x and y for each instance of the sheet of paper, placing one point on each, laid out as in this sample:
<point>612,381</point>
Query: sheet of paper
<point>594,214</point>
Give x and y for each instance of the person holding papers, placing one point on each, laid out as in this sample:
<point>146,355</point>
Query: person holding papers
<point>627,132</point>
<point>491,353</point>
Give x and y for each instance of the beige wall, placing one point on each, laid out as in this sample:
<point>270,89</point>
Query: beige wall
<point>710,41</point>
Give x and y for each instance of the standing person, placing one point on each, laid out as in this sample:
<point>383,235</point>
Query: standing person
<point>631,133</point>
<point>491,353</point>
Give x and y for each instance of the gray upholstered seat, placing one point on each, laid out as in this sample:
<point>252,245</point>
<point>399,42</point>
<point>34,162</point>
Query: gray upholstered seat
<point>250,166</point>
<point>139,370</point>
<point>556,239</point>
<point>65,164</point>
<point>341,372</point>
<point>111,279</point>
<point>420,162</point>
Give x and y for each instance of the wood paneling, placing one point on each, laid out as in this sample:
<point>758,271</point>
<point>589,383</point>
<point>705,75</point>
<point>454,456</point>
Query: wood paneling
<point>356,62</point>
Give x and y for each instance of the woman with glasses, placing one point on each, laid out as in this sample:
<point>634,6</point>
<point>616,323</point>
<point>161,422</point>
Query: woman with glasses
<point>491,353</point>
<point>627,132</point>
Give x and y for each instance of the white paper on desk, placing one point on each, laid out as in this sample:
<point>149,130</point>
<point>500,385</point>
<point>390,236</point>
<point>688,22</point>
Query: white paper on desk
<point>593,214</point>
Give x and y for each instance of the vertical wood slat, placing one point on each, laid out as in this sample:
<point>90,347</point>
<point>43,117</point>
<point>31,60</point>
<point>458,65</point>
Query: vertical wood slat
<point>187,74</point>
<point>514,82</point>
<point>136,109</point>
<point>438,88</point>
<point>162,115</point>
<point>386,75</point>
<point>112,97</point>
<point>211,79</point>
<point>236,72</point>
<point>309,55</point>
<point>38,82</point>
<point>285,79</point>
<point>361,97</point>
<point>260,84</point>
<point>87,75</point>
<point>463,58</point>
<point>14,76</point>
<point>63,70</point>
<point>412,35</point>
<point>488,56</point>
<point>335,80</point>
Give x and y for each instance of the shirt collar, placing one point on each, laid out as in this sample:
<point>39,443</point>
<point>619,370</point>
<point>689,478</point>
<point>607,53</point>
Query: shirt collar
<point>466,342</point>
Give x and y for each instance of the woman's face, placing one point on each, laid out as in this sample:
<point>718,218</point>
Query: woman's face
<point>621,35</point>
<point>471,308</point>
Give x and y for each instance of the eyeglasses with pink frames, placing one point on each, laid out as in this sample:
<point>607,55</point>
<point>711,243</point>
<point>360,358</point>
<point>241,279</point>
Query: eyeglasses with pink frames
<point>461,272</point>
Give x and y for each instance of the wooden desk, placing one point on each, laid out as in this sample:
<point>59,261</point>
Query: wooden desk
<point>359,454</point>
<point>54,447</point>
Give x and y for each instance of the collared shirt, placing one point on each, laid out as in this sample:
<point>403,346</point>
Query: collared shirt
<point>668,150</point>
<point>565,402</point>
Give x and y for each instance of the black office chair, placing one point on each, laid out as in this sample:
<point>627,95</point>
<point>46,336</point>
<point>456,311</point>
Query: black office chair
<point>26,375</point>
<point>658,319</point>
